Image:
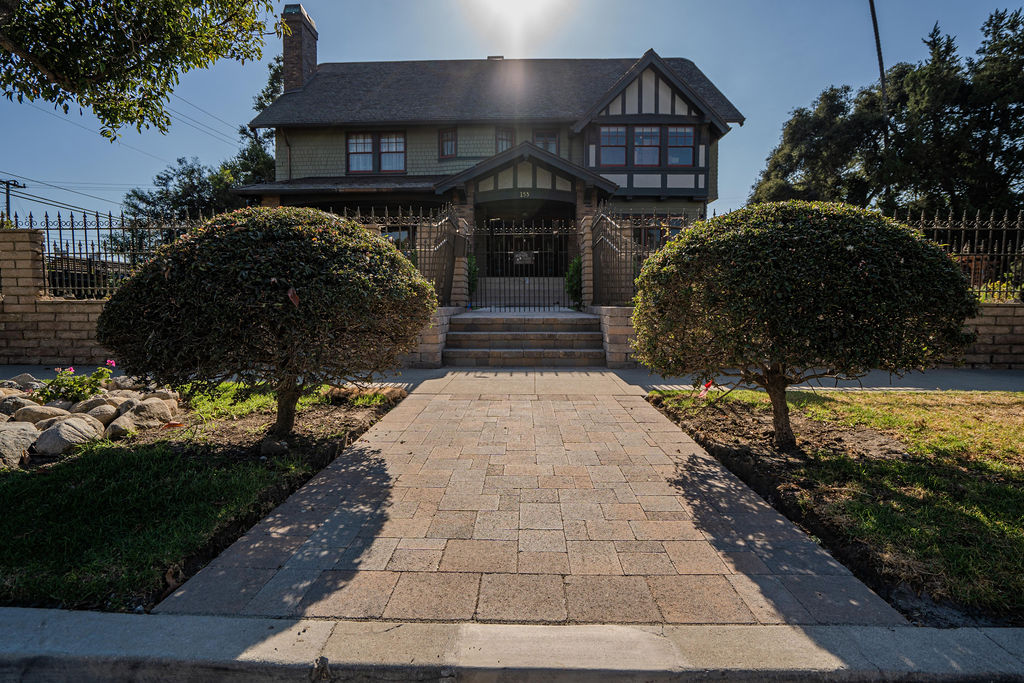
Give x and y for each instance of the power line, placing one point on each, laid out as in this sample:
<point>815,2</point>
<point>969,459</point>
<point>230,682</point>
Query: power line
<point>202,127</point>
<point>196,106</point>
<point>123,144</point>
<point>84,194</point>
<point>55,203</point>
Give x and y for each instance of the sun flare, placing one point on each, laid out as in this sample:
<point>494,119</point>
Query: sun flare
<point>517,26</point>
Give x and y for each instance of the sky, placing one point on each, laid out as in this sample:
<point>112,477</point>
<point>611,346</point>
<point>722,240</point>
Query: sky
<point>767,56</point>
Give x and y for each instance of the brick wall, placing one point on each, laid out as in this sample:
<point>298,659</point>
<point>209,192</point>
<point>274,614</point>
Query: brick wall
<point>432,339</point>
<point>1000,342</point>
<point>33,329</point>
<point>617,331</point>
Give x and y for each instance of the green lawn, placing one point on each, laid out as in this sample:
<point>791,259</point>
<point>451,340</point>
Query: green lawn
<point>947,517</point>
<point>101,528</point>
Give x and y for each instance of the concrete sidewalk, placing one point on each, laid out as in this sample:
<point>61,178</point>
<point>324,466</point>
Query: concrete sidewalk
<point>51,645</point>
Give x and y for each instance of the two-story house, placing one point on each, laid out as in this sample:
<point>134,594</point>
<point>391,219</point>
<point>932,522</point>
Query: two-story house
<point>503,137</point>
<point>501,141</point>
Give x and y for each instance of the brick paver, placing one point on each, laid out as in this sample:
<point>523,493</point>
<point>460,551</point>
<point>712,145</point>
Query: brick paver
<point>483,505</point>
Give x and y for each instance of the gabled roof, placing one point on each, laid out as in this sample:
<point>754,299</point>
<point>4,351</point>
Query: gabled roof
<point>522,152</point>
<point>652,59</point>
<point>483,90</point>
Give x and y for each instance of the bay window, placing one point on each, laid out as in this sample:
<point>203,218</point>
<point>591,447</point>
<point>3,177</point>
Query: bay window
<point>613,145</point>
<point>680,145</point>
<point>646,146</point>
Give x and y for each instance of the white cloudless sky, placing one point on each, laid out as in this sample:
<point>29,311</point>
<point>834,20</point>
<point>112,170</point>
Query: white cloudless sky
<point>767,56</point>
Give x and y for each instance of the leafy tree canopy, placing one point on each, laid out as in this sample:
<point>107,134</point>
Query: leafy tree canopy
<point>120,58</point>
<point>955,133</point>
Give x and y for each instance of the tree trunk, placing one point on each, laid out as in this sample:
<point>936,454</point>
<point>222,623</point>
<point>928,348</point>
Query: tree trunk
<point>288,393</point>
<point>784,439</point>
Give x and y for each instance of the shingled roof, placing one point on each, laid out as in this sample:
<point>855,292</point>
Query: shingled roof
<point>466,90</point>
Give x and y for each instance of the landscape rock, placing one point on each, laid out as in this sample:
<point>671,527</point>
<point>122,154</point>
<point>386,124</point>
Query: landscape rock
<point>36,413</point>
<point>172,405</point>
<point>165,394</point>
<point>4,418</point>
<point>43,425</point>
<point>63,405</point>
<point>9,384</point>
<point>63,436</point>
<point>116,400</point>
<point>11,391</point>
<point>121,427</point>
<point>24,380</point>
<point>12,404</point>
<point>15,439</point>
<point>124,393</point>
<point>127,406</point>
<point>95,423</point>
<point>90,403</point>
<point>104,413</point>
<point>152,412</point>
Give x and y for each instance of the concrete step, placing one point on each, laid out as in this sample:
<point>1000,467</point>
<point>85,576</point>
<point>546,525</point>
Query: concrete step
<point>539,323</point>
<point>524,340</point>
<point>510,357</point>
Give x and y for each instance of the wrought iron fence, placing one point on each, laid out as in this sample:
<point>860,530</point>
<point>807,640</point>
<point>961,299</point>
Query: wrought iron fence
<point>621,244</point>
<point>989,249</point>
<point>87,256</point>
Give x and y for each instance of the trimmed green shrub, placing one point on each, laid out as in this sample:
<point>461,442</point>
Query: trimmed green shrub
<point>782,293</point>
<point>282,299</point>
<point>574,283</point>
<point>472,274</point>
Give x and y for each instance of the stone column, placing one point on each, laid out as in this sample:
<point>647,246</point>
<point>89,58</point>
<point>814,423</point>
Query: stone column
<point>21,268</point>
<point>587,258</point>
<point>460,282</point>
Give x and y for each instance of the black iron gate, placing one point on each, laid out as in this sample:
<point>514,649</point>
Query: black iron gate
<point>521,265</point>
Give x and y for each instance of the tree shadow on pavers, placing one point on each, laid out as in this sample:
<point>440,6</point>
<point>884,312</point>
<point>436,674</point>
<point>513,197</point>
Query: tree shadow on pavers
<point>332,516</point>
<point>780,572</point>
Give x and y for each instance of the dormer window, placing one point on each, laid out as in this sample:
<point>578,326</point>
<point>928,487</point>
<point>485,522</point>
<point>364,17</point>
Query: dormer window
<point>546,140</point>
<point>680,145</point>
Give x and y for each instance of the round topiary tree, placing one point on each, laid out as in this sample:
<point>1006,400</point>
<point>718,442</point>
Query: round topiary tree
<point>284,299</point>
<point>782,293</point>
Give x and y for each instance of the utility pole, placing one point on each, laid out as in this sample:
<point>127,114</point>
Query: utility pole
<point>8,184</point>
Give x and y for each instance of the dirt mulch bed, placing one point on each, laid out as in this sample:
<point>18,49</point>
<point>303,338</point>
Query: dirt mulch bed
<point>739,436</point>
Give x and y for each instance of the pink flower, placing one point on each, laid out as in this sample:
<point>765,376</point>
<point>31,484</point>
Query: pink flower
<point>58,369</point>
<point>111,363</point>
<point>71,370</point>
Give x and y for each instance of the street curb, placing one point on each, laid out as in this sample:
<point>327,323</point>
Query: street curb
<point>54,645</point>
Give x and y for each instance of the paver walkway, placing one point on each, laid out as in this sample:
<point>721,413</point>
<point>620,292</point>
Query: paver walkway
<point>543,497</point>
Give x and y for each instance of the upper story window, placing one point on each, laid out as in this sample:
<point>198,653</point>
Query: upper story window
<point>504,138</point>
<point>680,145</point>
<point>376,152</point>
<point>646,146</point>
<point>392,152</point>
<point>447,143</point>
<point>360,153</point>
<point>613,145</point>
<point>546,139</point>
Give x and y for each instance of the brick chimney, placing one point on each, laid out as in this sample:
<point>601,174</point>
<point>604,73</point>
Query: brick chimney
<point>299,47</point>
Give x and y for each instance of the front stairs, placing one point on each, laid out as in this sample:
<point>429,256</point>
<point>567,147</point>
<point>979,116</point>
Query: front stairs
<point>524,339</point>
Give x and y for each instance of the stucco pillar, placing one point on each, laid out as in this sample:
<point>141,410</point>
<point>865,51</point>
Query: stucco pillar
<point>586,227</point>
